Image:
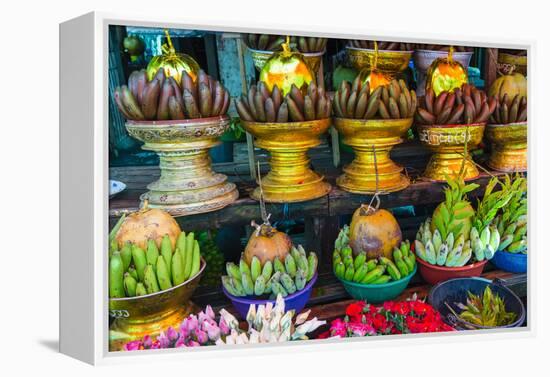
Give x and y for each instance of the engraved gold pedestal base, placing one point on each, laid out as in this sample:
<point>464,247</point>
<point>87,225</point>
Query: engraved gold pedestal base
<point>447,143</point>
<point>367,138</point>
<point>509,147</point>
<point>135,317</point>
<point>387,61</point>
<point>187,184</point>
<point>290,178</point>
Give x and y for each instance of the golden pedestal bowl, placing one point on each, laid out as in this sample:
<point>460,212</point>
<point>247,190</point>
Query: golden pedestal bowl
<point>509,147</point>
<point>187,184</point>
<point>313,59</point>
<point>367,138</point>
<point>391,62</point>
<point>447,144</point>
<point>520,62</point>
<point>135,317</point>
<point>290,179</point>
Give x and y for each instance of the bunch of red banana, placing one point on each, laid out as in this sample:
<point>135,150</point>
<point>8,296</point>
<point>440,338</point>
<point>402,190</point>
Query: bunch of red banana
<point>465,105</point>
<point>510,112</point>
<point>266,42</point>
<point>393,46</point>
<point>163,99</point>
<point>263,105</point>
<point>392,101</point>
<point>312,44</point>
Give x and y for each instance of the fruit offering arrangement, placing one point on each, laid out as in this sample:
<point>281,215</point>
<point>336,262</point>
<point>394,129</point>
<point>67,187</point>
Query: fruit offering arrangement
<point>300,104</point>
<point>487,310</point>
<point>511,221</point>
<point>385,46</point>
<point>267,324</point>
<point>282,276</point>
<point>465,105</point>
<point>213,257</point>
<point>134,271</point>
<point>358,101</point>
<point>162,98</point>
<point>456,235</point>
<point>507,111</point>
<point>360,269</point>
<point>432,47</point>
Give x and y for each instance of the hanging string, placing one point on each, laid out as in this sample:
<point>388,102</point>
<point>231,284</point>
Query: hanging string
<point>263,211</point>
<point>170,48</point>
<point>376,188</point>
<point>375,63</point>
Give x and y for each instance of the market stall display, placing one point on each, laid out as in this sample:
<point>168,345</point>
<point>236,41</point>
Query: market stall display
<point>450,125</point>
<point>373,114</point>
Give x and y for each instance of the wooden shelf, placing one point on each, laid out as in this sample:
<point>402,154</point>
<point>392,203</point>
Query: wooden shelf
<point>411,155</point>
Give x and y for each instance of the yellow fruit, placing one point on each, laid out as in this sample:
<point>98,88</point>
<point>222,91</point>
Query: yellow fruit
<point>446,74</point>
<point>374,78</point>
<point>173,63</point>
<point>145,224</point>
<point>374,231</point>
<point>511,84</point>
<point>286,68</point>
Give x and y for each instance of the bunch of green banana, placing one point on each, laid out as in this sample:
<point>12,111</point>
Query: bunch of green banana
<point>283,277</point>
<point>511,221</point>
<point>373,271</point>
<point>487,310</point>
<point>507,111</point>
<point>465,105</point>
<point>213,257</point>
<point>382,45</point>
<point>300,104</point>
<point>392,101</point>
<point>137,272</point>
<point>163,98</point>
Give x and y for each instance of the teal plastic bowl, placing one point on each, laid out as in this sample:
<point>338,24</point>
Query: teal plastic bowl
<point>377,293</point>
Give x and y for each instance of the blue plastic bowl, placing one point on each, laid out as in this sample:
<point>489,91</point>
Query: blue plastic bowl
<point>296,301</point>
<point>510,262</point>
<point>456,291</point>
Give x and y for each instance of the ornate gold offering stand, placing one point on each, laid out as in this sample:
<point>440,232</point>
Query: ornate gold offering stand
<point>290,178</point>
<point>187,184</point>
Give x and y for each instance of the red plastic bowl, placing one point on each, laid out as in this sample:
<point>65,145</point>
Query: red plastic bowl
<point>436,274</point>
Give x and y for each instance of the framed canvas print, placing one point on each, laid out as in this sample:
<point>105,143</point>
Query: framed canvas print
<point>248,188</point>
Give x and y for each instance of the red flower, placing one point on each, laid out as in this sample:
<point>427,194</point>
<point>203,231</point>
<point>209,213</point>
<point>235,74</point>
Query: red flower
<point>355,310</point>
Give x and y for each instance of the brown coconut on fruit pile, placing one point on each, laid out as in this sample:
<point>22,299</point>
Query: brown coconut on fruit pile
<point>147,223</point>
<point>267,243</point>
<point>374,231</point>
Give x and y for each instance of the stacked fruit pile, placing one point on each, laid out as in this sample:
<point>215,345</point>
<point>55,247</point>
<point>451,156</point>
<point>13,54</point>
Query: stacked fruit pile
<point>457,235</point>
<point>387,46</point>
<point>163,98</point>
<point>511,220</point>
<point>360,269</point>
<point>358,101</point>
<point>137,272</point>
<point>465,105</point>
<point>263,105</point>
<point>212,256</point>
<point>280,276</point>
<point>507,111</point>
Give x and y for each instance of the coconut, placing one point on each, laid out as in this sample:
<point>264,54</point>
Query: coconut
<point>374,231</point>
<point>145,224</point>
<point>267,243</point>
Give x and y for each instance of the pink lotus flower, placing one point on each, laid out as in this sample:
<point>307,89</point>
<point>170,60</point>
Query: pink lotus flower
<point>156,345</point>
<point>193,343</point>
<point>210,312</point>
<point>172,334</point>
<point>212,330</point>
<point>180,343</point>
<point>163,340</point>
<point>202,337</point>
<point>224,328</point>
<point>147,342</point>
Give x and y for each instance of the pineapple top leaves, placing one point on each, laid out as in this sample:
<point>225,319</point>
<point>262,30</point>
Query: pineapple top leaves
<point>450,210</point>
<point>491,203</point>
